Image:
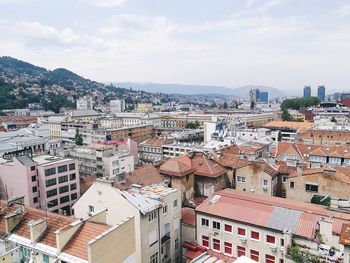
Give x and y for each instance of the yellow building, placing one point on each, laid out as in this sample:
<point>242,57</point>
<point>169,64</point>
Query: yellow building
<point>144,107</point>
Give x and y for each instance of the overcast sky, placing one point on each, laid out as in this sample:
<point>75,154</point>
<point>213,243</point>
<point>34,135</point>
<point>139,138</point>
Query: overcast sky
<point>281,43</point>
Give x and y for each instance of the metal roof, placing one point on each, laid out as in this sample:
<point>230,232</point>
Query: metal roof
<point>283,218</point>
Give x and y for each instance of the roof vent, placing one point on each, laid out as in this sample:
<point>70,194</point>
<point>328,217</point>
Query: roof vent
<point>214,199</point>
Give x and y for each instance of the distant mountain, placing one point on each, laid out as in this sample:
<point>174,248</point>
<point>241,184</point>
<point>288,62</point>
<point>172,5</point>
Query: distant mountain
<point>187,89</point>
<point>22,83</point>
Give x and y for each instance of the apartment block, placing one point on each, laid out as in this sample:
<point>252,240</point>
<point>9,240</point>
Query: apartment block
<point>268,229</point>
<point>157,213</point>
<point>45,181</point>
<point>34,235</point>
<point>150,151</point>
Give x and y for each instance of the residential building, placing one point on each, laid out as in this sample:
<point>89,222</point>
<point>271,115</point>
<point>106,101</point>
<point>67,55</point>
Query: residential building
<point>144,107</point>
<point>345,99</point>
<point>267,229</point>
<point>254,95</point>
<point>110,122</point>
<point>295,115</point>
<point>85,128</point>
<point>157,213</point>
<point>321,93</point>
<point>84,104</point>
<point>196,174</point>
<point>47,182</point>
<point>117,106</point>
<point>307,92</point>
<point>83,115</point>
<point>131,119</point>
<point>326,185</point>
<point>53,123</point>
<point>335,136</point>
<point>35,235</point>
<point>288,129</point>
<point>136,133</point>
<point>102,160</point>
<point>18,121</point>
<point>150,151</point>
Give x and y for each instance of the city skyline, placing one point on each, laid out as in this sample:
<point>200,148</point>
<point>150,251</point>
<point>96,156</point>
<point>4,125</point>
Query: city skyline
<point>279,43</point>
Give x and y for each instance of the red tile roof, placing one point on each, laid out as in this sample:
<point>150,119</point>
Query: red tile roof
<point>257,209</point>
<point>86,182</point>
<point>155,142</point>
<point>78,244</point>
<point>197,163</point>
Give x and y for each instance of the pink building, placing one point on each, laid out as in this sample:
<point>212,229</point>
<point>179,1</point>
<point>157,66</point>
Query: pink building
<point>45,181</point>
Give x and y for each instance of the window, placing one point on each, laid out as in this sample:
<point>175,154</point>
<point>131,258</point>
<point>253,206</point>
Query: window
<point>50,171</point>
<point>165,209</point>
<point>270,239</point>
<point>71,166</point>
<point>264,182</point>
<point>176,243</point>
<point>216,244</point>
<point>205,241</point>
<point>240,251</point>
<point>241,231</point>
<point>241,179</point>
<point>254,255</point>
<point>51,182</point>
<point>175,203</point>
<point>63,179</point>
<point>255,235</point>
<point>62,169</point>
<point>152,237</point>
<point>46,259</point>
<point>228,228</point>
<point>284,179</point>
<point>205,222</point>
<point>154,258</point>
<point>91,208</point>
<point>311,188</point>
<point>33,178</point>
<point>35,200</point>
<point>64,199</point>
<point>52,203</point>
<point>152,216</point>
<point>72,177</point>
<point>34,189</point>
<point>216,225</point>
<point>32,168</point>
<point>269,259</point>
<point>228,248</point>
<point>64,189</point>
<point>74,196</point>
<point>282,242</point>
<point>291,184</point>
<point>73,187</point>
<point>52,192</point>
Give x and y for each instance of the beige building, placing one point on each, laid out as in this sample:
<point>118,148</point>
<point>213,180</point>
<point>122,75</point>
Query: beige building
<point>157,213</point>
<point>326,185</point>
<point>33,235</point>
<point>257,177</point>
<point>144,107</point>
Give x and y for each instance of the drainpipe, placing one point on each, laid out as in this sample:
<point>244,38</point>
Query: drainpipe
<point>159,239</point>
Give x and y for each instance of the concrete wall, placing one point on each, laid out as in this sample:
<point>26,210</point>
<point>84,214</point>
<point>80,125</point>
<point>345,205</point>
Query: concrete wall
<point>118,245</point>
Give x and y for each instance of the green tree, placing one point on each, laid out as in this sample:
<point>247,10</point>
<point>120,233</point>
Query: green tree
<point>279,136</point>
<point>225,105</point>
<point>252,105</point>
<point>78,138</point>
<point>285,115</point>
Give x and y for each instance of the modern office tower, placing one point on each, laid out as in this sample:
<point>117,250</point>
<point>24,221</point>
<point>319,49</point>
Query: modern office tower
<point>307,92</point>
<point>321,93</point>
<point>264,97</point>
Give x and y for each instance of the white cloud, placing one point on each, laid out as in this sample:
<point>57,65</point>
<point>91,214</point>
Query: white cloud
<point>344,10</point>
<point>104,3</point>
<point>269,5</point>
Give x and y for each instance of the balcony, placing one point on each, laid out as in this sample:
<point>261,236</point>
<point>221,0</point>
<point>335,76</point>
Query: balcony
<point>165,238</point>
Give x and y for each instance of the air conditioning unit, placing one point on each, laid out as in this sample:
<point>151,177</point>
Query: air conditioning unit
<point>273,248</point>
<point>265,188</point>
<point>243,240</point>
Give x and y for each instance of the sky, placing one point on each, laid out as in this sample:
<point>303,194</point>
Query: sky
<point>280,43</point>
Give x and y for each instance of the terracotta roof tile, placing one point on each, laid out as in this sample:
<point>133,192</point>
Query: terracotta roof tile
<point>154,142</point>
<point>78,244</point>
